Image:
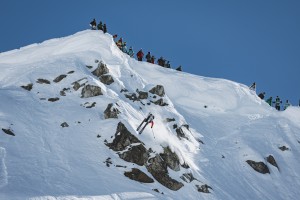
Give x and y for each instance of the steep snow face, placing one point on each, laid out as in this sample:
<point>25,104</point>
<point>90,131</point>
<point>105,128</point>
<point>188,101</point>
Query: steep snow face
<point>47,161</point>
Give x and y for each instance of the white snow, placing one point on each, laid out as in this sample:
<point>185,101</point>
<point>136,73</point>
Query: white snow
<point>45,161</point>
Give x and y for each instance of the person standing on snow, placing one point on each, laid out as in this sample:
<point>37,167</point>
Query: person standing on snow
<point>100,26</point>
<point>148,120</point>
<point>287,104</point>
<point>269,101</point>
<point>277,103</point>
<point>140,55</point>
<point>148,57</point>
<point>130,52</point>
<point>253,87</point>
<point>262,95</point>
<point>152,59</point>
<point>93,24</point>
<point>104,28</point>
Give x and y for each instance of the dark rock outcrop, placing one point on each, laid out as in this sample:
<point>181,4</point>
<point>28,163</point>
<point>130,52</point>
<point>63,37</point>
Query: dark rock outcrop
<point>123,138</point>
<point>111,112</point>
<point>170,119</point>
<point>272,161</point>
<point>188,177</point>
<point>106,79</point>
<point>71,72</point>
<point>171,159</point>
<point>27,87</point>
<point>159,90</point>
<point>203,188</point>
<point>53,99</point>
<point>136,154</point>
<point>131,96</point>
<point>259,166</point>
<point>138,175</point>
<point>76,86</point>
<point>91,105</point>
<point>160,102</point>
<point>59,78</point>
<point>43,81</point>
<point>91,91</point>
<point>100,70</point>
<point>8,132</point>
<point>158,168</point>
<point>64,124</point>
<point>180,133</point>
<point>283,148</point>
<point>142,95</point>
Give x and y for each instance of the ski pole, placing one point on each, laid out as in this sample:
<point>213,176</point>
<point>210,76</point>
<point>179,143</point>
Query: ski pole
<point>153,133</point>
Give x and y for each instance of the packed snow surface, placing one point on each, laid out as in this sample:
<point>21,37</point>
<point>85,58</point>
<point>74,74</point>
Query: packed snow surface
<point>228,125</point>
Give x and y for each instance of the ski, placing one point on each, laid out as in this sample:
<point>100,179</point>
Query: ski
<point>140,125</point>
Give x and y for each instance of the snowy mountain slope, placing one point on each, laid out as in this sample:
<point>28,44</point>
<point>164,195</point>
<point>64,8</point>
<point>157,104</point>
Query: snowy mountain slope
<point>46,161</point>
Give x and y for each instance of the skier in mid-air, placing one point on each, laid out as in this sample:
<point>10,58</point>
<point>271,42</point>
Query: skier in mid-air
<point>148,120</point>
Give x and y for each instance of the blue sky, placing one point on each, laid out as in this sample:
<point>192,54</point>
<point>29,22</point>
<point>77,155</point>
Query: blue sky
<point>239,40</point>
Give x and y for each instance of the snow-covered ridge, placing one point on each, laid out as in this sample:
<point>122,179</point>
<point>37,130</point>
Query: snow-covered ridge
<point>45,160</point>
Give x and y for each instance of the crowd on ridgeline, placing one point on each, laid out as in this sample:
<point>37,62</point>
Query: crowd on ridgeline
<point>161,61</point>
<point>277,103</point>
<point>123,47</point>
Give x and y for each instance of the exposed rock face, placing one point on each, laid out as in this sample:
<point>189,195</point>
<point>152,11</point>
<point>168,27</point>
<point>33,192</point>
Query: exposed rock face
<point>71,72</point>
<point>272,161</point>
<point>123,138</point>
<point>100,70</point>
<point>131,97</point>
<point>106,79</point>
<point>91,91</point>
<point>170,119</point>
<point>160,102</point>
<point>138,175</point>
<point>188,177</point>
<point>259,166</point>
<point>59,78</point>
<point>136,154</point>
<point>158,168</point>
<point>171,159</point>
<point>159,90</point>
<point>53,99</point>
<point>143,95</point>
<point>8,132</point>
<point>64,124</point>
<point>283,148</point>
<point>203,188</point>
<point>180,133</point>
<point>111,112</point>
<point>43,81</point>
<point>27,87</point>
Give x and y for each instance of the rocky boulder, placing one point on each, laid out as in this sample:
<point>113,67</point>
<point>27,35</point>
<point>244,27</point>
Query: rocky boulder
<point>8,132</point>
<point>43,81</point>
<point>259,166</point>
<point>158,168</point>
<point>123,138</point>
<point>160,102</point>
<point>143,95</point>
<point>27,87</point>
<point>106,79</point>
<point>135,154</point>
<point>111,112</point>
<point>158,90</point>
<point>91,91</point>
<point>59,78</point>
<point>138,175</point>
<point>272,161</point>
<point>100,70</point>
<point>171,159</point>
<point>203,188</point>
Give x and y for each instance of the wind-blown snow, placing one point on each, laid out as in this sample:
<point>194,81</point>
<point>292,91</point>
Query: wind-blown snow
<point>46,161</point>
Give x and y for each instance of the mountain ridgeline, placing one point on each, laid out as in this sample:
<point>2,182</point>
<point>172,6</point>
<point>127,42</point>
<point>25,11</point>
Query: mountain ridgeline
<point>69,112</point>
